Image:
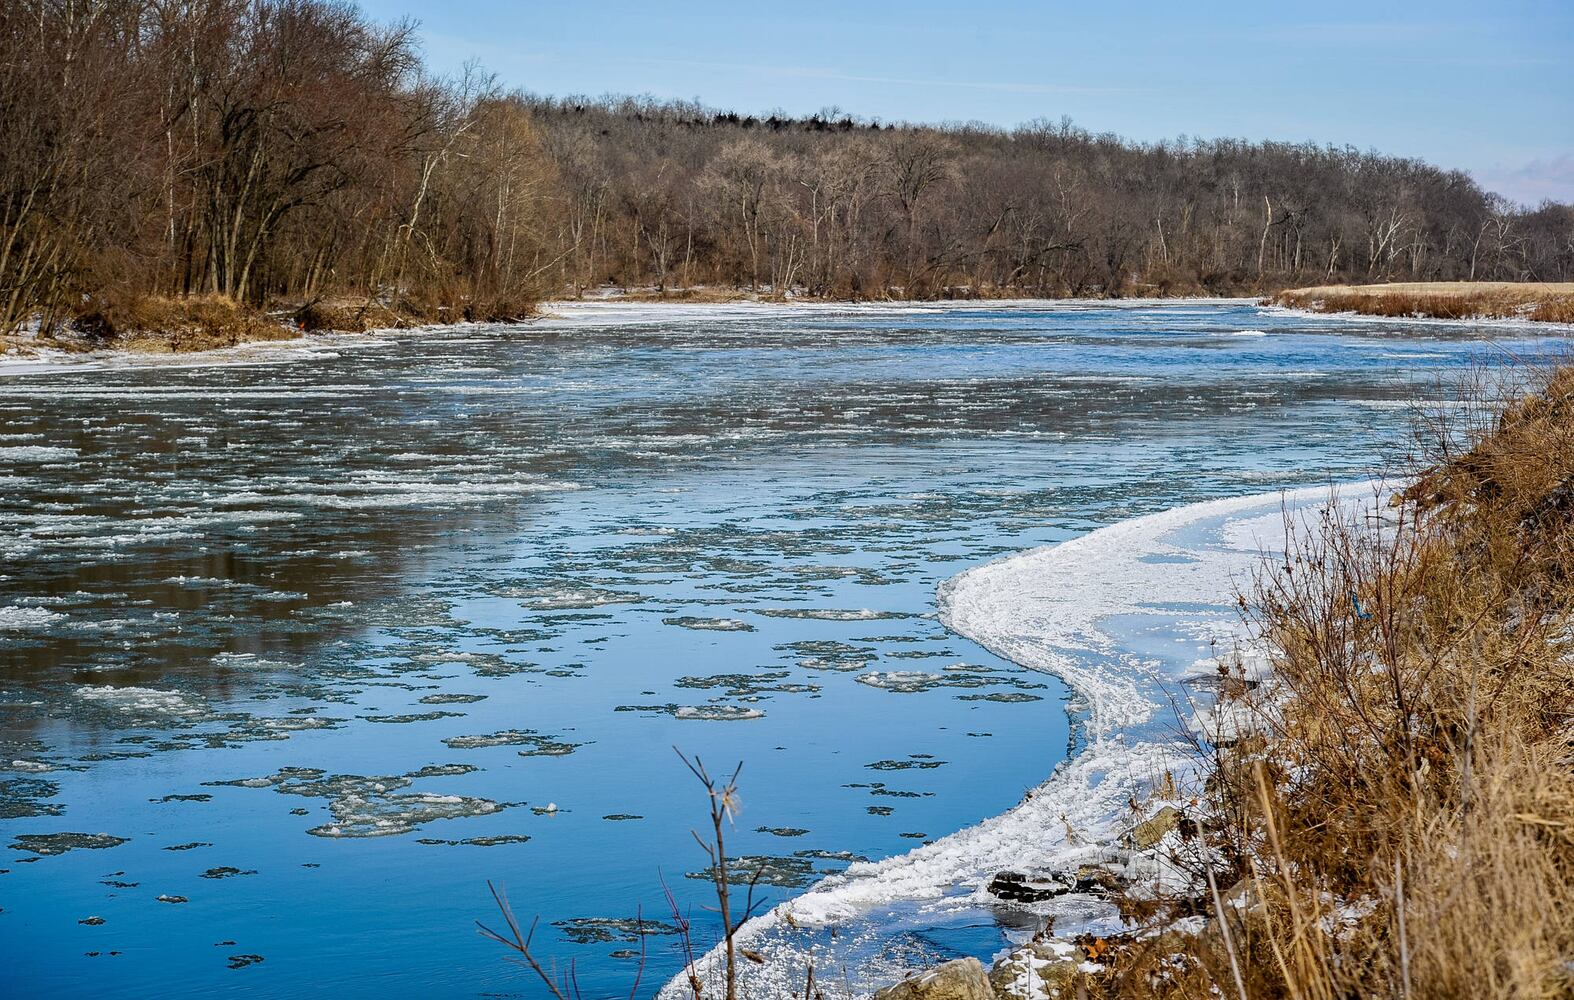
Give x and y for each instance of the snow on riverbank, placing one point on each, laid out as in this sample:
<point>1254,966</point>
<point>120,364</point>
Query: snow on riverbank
<point>1521,325</point>
<point>45,361</point>
<point>1092,611</point>
<point>611,310</point>
<point>26,358</point>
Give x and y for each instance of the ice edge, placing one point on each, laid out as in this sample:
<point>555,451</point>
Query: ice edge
<point>1037,608</point>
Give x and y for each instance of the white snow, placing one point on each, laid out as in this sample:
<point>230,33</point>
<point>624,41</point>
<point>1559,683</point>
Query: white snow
<point>1521,324</point>
<point>317,347</point>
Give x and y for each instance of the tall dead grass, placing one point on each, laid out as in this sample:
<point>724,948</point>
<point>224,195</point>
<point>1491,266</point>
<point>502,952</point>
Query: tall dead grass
<point>1549,304</point>
<point>1401,822</point>
<point>161,325</point>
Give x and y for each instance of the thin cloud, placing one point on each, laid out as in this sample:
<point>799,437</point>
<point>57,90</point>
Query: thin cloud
<point>1534,182</point>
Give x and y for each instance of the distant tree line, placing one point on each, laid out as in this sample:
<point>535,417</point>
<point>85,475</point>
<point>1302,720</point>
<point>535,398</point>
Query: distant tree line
<point>292,152</point>
<point>674,193</point>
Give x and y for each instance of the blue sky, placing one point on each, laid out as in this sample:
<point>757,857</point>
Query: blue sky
<point>1486,86</point>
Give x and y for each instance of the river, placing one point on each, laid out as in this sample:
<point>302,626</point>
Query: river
<point>297,651</point>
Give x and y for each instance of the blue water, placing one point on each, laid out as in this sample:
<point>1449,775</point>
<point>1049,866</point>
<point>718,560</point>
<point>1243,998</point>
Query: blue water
<point>242,608</point>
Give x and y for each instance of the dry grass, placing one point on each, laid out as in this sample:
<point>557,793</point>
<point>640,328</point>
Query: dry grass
<point>176,325</point>
<point>1546,302</point>
<point>345,316</point>
<point>163,325</point>
<point>355,314</point>
<point>1402,823</point>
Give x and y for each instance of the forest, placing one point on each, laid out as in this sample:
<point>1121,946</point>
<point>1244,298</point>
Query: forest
<point>158,157</point>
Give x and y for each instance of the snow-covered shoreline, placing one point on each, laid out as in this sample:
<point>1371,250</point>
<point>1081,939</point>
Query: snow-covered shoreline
<point>1076,610</point>
<point>307,347</point>
<point>52,361</point>
<point>568,312</point>
<point>1517,324</point>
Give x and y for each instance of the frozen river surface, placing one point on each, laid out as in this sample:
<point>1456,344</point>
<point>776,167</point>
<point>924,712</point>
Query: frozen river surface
<point>297,652</point>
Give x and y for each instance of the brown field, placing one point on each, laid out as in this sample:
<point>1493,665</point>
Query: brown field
<point>1544,302</point>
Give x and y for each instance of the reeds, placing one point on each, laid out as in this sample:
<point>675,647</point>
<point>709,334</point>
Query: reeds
<point>1439,300</point>
<point>1402,822</point>
<point>162,325</point>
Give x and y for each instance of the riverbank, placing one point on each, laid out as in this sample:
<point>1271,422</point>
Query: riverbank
<point>30,356</point>
<point>210,327</point>
<point>1532,301</point>
<point>200,324</point>
<point>1382,803</point>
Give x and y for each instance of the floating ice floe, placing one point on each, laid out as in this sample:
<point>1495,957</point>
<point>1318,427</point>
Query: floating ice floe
<point>959,675</point>
<point>717,713</point>
<point>748,687</point>
<point>36,453</point>
<point>569,597</point>
<point>536,744</point>
<point>606,930</point>
<point>60,843</point>
<point>21,619</point>
<point>710,624</point>
<point>832,614</point>
<point>142,701</point>
<point>375,805</point>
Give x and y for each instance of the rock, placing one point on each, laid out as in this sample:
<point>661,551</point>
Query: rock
<point>1151,830</point>
<point>1096,880</point>
<point>963,979</point>
<point>1018,888</point>
<point>1043,970</point>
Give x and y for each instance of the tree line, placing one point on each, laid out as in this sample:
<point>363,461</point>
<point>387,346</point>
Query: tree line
<point>295,154</point>
<point>672,193</point>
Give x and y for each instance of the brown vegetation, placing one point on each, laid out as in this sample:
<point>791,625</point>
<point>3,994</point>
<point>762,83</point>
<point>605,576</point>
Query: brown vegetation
<point>164,325</point>
<point>1544,302</point>
<point>265,153</point>
<point>1401,824</point>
